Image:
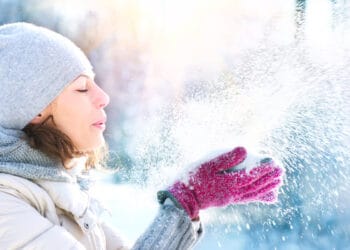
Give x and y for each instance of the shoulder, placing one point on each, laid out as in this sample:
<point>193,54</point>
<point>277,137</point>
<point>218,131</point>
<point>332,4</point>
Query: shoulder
<point>28,192</point>
<point>27,214</point>
<point>15,182</point>
<point>21,226</point>
<point>21,187</point>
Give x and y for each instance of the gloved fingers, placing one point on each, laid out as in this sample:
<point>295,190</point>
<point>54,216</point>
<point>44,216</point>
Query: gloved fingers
<point>259,187</point>
<point>269,197</point>
<point>226,160</point>
<point>242,179</point>
<point>255,192</point>
<point>262,179</point>
<point>264,169</point>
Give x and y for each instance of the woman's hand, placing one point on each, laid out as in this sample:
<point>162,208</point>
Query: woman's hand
<point>217,183</point>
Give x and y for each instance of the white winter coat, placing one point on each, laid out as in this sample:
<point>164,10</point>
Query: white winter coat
<point>51,215</point>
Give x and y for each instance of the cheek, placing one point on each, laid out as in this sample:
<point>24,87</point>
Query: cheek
<point>75,125</point>
<point>75,118</point>
<point>71,118</point>
<point>70,124</point>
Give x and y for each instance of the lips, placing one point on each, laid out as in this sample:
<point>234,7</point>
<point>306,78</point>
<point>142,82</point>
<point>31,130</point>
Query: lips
<point>101,124</point>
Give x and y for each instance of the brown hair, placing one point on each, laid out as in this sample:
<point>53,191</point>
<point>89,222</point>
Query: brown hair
<point>54,143</point>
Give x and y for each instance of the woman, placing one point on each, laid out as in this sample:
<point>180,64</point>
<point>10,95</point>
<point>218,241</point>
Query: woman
<point>51,132</point>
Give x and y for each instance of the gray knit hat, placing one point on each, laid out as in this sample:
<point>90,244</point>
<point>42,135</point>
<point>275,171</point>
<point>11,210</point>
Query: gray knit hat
<point>35,66</point>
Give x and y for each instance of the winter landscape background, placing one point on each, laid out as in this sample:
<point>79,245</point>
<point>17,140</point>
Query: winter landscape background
<point>187,78</point>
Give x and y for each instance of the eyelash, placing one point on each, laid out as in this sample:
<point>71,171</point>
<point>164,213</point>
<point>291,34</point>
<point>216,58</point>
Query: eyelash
<point>82,90</point>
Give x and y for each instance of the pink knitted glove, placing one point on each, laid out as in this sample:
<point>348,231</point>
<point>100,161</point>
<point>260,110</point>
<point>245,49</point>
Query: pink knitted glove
<point>217,183</point>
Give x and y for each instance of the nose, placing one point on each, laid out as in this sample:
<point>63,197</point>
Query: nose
<point>101,99</point>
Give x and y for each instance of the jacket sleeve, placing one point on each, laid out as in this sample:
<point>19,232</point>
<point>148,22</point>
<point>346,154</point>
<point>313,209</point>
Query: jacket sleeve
<point>22,227</point>
<point>171,229</point>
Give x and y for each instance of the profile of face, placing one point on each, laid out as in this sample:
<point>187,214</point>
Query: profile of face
<point>78,112</point>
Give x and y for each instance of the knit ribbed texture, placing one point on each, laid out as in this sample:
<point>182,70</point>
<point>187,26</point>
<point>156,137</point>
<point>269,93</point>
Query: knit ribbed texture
<point>18,158</point>
<point>171,230</point>
<point>35,65</point>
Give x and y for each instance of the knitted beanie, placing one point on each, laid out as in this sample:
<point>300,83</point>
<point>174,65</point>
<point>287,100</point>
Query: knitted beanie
<point>35,66</point>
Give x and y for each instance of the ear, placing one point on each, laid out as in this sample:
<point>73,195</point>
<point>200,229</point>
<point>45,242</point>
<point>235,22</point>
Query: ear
<point>40,118</point>
<point>37,119</point>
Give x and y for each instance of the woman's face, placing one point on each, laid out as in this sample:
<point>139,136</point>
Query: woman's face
<point>79,113</point>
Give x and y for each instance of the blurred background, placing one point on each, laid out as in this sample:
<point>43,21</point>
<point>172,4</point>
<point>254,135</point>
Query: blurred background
<point>187,78</point>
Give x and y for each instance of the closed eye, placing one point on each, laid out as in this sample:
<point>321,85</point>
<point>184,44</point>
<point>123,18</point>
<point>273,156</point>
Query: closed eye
<point>82,90</point>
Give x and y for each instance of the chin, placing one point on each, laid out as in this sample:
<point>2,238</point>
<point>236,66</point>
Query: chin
<point>93,145</point>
